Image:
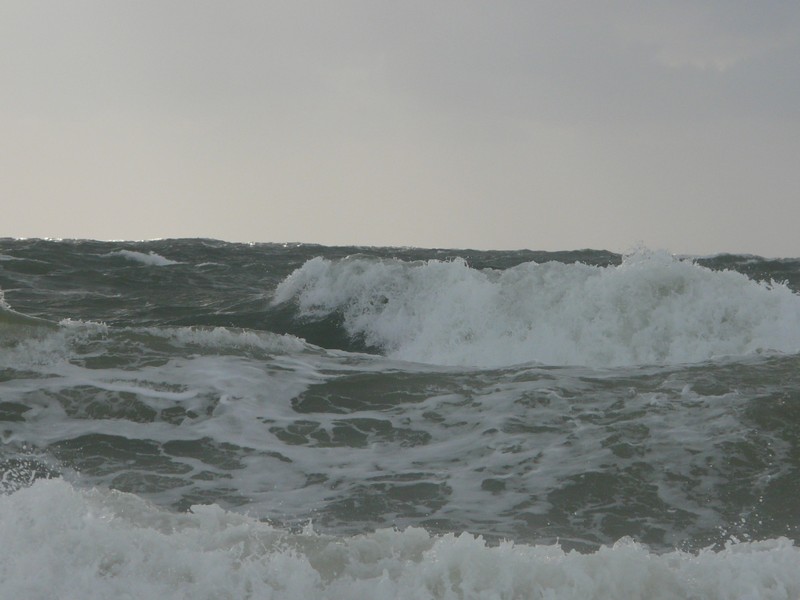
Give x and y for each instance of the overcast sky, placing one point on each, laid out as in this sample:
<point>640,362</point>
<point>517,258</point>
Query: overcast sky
<point>493,124</point>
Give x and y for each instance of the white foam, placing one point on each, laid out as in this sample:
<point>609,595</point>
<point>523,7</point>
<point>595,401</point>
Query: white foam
<point>219,338</point>
<point>653,308</point>
<point>59,541</point>
<point>50,348</point>
<point>151,259</point>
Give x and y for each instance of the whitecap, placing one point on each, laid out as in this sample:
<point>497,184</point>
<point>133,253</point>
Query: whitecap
<point>151,259</point>
<point>651,309</point>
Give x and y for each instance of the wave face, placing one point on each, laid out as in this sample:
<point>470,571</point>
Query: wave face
<point>201,419</point>
<point>651,309</point>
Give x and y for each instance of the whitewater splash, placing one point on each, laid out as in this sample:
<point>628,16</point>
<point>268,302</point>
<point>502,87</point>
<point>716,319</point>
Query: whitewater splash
<point>651,309</point>
<point>102,544</point>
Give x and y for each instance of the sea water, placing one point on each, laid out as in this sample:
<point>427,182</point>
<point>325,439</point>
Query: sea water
<point>199,419</point>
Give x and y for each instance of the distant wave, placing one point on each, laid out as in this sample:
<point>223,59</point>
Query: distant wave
<point>651,309</point>
<point>152,259</point>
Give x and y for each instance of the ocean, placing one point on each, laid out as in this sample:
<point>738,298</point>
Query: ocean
<point>200,419</point>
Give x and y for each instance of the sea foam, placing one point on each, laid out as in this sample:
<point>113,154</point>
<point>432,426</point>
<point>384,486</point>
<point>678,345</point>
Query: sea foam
<point>100,544</point>
<point>651,309</point>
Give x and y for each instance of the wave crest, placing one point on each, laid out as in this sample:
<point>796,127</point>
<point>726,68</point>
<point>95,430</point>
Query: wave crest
<point>151,259</point>
<point>651,309</point>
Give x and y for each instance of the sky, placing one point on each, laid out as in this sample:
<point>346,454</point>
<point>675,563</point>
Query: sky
<point>436,123</point>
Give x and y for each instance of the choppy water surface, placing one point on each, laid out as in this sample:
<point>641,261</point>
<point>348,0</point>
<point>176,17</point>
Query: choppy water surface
<point>207,403</point>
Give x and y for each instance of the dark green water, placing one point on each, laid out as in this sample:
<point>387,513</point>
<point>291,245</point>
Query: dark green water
<point>573,396</point>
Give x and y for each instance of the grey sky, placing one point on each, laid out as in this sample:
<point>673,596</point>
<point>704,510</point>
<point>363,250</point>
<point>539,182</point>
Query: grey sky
<point>470,124</point>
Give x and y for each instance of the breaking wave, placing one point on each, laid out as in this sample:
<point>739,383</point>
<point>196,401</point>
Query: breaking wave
<point>651,309</point>
<point>102,544</point>
<point>151,258</point>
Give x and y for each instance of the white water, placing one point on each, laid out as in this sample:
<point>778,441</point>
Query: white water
<point>151,259</point>
<point>652,309</point>
<point>99,544</point>
<point>238,387</point>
